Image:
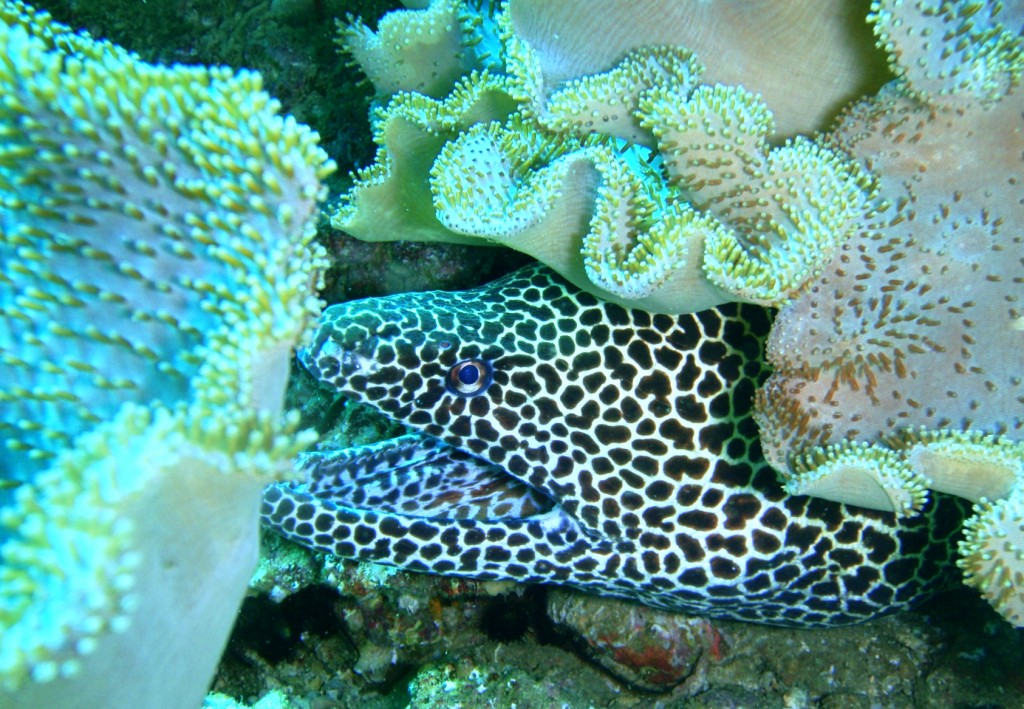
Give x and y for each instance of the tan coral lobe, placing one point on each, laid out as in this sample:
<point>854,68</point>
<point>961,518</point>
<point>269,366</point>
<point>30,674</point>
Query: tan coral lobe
<point>806,59</point>
<point>909,343</point>
<point>716,212</point>
<point>913,322</point>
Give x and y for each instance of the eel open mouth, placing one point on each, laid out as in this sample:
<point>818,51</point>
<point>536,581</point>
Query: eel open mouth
<point>418,476</point>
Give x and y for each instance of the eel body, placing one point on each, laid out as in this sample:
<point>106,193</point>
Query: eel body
<point>560,439</point>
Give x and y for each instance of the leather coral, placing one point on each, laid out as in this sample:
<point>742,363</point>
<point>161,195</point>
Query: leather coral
<point>899,369</point>
<point>647,168</point>
<point>156,269</point>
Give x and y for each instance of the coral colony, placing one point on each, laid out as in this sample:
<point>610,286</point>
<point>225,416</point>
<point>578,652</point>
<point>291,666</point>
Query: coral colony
<point>641,424</point>
<point>646,171</point>
<point>158,268</point>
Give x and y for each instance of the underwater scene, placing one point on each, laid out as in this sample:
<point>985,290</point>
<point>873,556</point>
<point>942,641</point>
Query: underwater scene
<point>460,354</point>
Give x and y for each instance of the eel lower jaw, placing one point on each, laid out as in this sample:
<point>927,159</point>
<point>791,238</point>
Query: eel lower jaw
<point>416,475</point>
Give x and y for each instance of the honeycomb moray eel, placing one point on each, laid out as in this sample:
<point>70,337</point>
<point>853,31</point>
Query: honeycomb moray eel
<point>560,439</point>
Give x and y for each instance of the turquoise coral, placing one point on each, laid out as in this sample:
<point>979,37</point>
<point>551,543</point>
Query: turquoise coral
<point>157,269</point>
<point>273,700</point>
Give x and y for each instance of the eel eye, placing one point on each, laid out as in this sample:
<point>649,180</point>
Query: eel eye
<point>469,377</point>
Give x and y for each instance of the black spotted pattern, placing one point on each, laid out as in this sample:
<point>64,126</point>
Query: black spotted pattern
<point>636,430</point>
